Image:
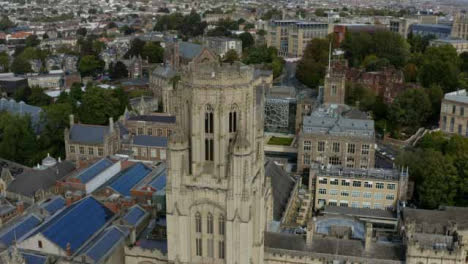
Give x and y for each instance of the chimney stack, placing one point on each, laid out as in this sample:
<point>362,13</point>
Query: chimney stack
<point>111,124</point>
<point>68,198</point>
<point>368,238</point>
<point>20,207</point>
<point>310,231</point>
<point>69,253</point>
<point>72,120</point>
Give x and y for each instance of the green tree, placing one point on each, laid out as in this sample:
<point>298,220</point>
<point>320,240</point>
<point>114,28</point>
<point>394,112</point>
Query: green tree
<point>136,48</point>
<point>320,12</point>
<point>438,180</point>
<point>411,109</point>
<point>118,70</point>
<point>231,56</point>
<point>90,66</point>
<point>38,97</point>
<point>81,31</point>
<point>435,94</point>
<point>247,40</point>
<point>6,23</point>
<point>32,41</point>
<point>153,52</point>
<point>464,61</point>
<point>266,56</point>
<point>98,105</point>
<point>440,66</point>
<point>18,141</point>
<point>4,61</point>
<point>438,72</point>
<point>22,94</point>
<point>311,68</point>
<point>410,72</point>
<point>20,66</point>
<point>383,44</point>
<point>76,93</point>
<point>56,119</point>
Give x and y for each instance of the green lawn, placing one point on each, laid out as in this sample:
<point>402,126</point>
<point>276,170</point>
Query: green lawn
<point>281,141</point>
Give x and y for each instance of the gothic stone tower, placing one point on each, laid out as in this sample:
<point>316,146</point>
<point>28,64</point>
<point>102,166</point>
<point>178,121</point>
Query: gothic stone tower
<point>216,183</point>
<point>334,90</point>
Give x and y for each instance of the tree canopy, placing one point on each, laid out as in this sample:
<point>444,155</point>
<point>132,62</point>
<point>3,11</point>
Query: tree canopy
<point>188,26</point>
<point>382,44</point>
<point>439,167</point>
<point>311,68</point>
<point>90,65</point>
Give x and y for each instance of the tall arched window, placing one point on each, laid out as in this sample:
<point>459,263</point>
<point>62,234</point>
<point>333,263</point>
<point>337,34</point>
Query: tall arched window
<point>209,224</point>
<point>198,223</point>
<point>209,119</point>
<point>233,119</point>
<point>221,225</point>
<point>209,127</point>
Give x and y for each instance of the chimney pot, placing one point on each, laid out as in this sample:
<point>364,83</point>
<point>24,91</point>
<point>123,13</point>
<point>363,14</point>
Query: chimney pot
<point>69,253</point>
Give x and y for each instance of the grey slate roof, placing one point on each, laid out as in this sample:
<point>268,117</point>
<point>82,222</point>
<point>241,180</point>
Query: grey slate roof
<point>334,246</point>
<point>90,134</point>
<point>360,212</point>
<point>458,96</point>
<point>189,50</point>
<point>434,221</point>
<point>332,121</point>
<point>30,181</point>
<point>154,118</point>
<point>282,185</point>
<point>151,141</point>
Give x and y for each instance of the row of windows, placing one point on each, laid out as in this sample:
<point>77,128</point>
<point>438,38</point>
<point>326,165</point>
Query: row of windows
<point>153,153</point>
<point>336,147</point>
<point>357,204</point>
<point>452,126</point>
<point>366,184</point>
<point>453,109</point>
<point>149,131</point>
<point>335,160</point>
<point>209,224</point>
<point>91,151</point>
<point>209,248</point>
<point>368,195</point>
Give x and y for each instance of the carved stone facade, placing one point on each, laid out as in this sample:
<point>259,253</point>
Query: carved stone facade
<point>216,188</point>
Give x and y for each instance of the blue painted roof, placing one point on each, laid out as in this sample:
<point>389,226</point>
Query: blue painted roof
<point>76,224</point>
<point>152,141</point>
<point>434,28</point>
<point>160,182</point>
<point>19,230</point>
<point>124,182</point>
<point>104,243</point>
<point>134,215</point>
<point>91,134</point>
<point>91,172</point>
<point>34,259</point>
<point>54,205</point>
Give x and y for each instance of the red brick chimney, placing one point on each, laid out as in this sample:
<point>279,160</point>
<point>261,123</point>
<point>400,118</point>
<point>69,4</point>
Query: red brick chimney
<point>20,207</point>
<point>69,252</point>
<point>69,199</point>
